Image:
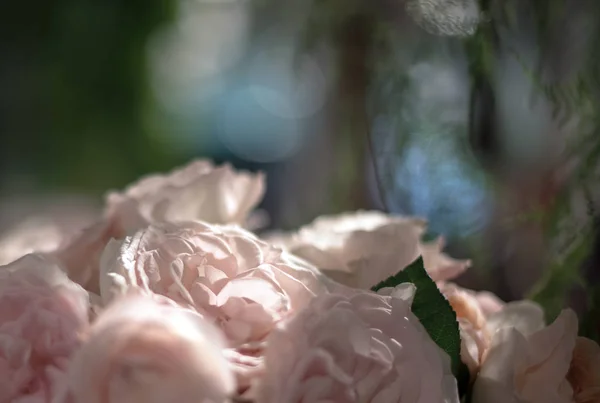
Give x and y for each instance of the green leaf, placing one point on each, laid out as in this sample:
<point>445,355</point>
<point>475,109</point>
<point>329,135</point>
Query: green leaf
<point>432,309</point>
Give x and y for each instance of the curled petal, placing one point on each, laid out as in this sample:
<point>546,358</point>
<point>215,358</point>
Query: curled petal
<point>526,317</point>
<point>79,256</point>
<point>472,320</point>
<point>528,365</point>
<point>440,266</point>
<point>361,249</point>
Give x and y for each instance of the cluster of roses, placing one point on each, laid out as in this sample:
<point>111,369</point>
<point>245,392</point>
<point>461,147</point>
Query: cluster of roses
<point>167,298</point>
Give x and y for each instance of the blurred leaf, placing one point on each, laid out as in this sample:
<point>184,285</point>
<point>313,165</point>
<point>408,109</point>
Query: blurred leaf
<point>432,309</point>
<point>552,289</point>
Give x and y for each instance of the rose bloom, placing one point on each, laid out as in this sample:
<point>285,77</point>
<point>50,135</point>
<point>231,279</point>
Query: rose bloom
<point>527,361</point>
<point>147,350</point>
<point>472,312</point>
<point>224,272</point>
<point>362,248</point>
<point>41,315</point>
<point>361,348</point>
<point>197,191</point>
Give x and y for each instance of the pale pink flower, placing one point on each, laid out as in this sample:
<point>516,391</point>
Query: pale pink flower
<point>224,272</point>
<point>527,361</point>
<point>365,348</point>
<point>41,316</point>
<point>472,310</point>
<point>362,248</point>
<point>584,372</point>
<point>144,350</point>
<point>440,266</point>
<point>197,191</point>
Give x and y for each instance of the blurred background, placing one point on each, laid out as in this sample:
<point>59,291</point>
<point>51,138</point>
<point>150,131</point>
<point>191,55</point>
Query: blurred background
<point>481,116</point>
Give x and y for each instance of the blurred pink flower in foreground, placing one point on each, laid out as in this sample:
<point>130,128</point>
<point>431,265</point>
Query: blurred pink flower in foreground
<point>144,349</point>
<point>197,191</point>
<point>527,361</point>
<point>41,316</point>
<point>361,348</point>
<point>362,248</point>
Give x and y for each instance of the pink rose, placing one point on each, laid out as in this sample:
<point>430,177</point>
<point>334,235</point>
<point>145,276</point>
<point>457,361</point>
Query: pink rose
<point>362,248</point>
<point>197,191</point>
<point>41,315</point>
<point>472,310</point>
<point>527,361</point>
<point>361,348</point>
<point>240,283</point>
<point>144,349</point>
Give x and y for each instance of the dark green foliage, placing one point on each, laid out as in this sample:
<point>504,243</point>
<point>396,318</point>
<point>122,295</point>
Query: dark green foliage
<point>79,90</point>
<point>432,309</point>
